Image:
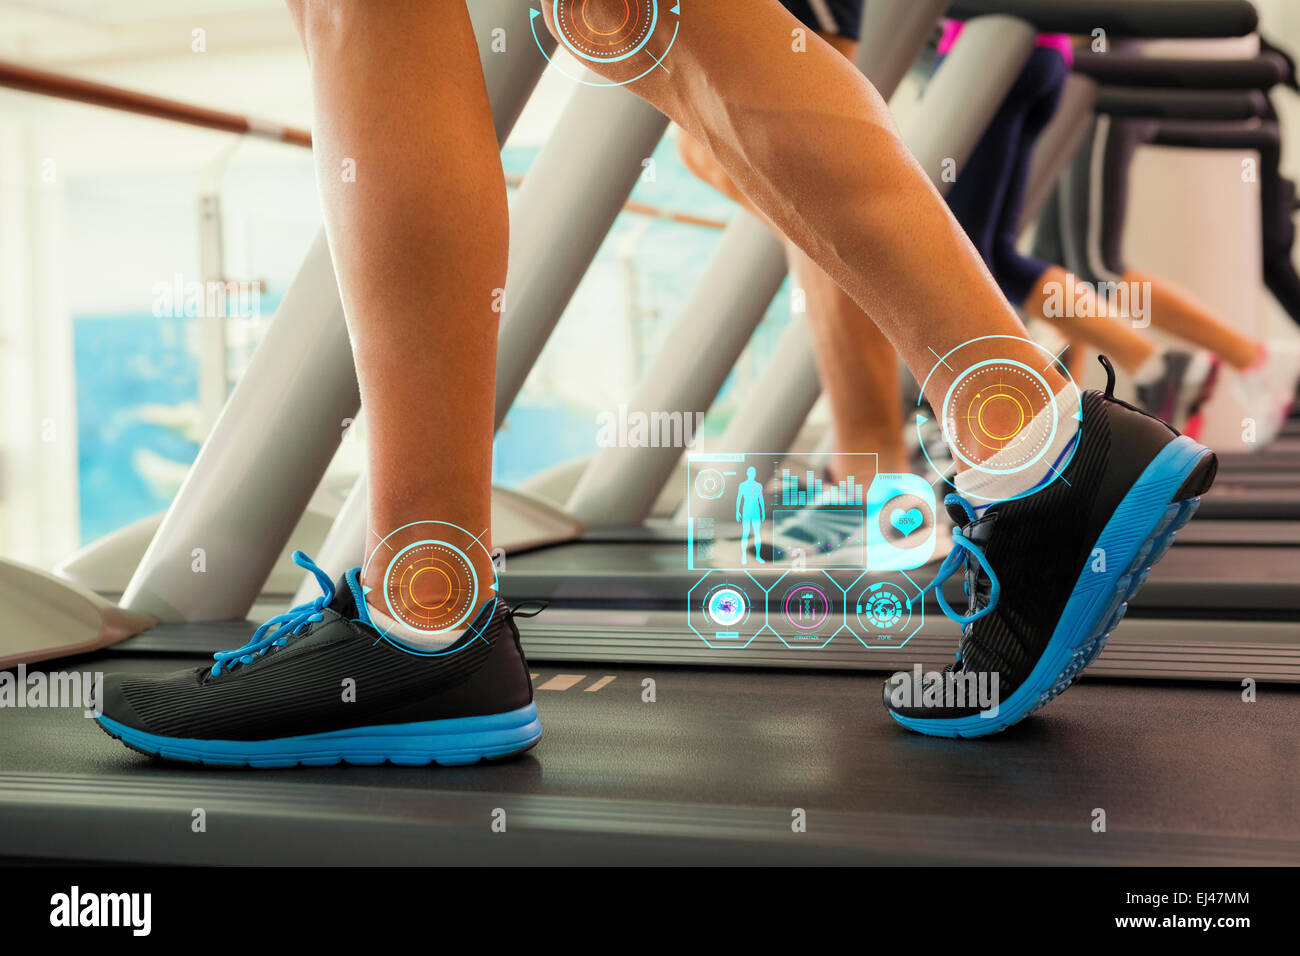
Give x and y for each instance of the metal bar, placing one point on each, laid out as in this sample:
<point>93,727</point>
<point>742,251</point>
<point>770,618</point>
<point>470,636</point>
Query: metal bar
<point>575,189</point>
<point>213,371</point>
<point>276,436</point>
<point>893,33</point>
<point>620,485</point>
<point>510,71</point>
<point>260,464</point>
<point>345,542</point>
<point>1057,144</point>
<point>965,92</point>
<point>44,83</point>
<point>1124,18</point>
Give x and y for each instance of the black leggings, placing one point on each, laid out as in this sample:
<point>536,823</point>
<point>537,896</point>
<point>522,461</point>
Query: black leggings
<point>990,189</point>
<point>840,17</point>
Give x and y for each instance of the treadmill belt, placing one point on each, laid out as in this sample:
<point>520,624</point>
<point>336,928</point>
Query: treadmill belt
<point>1261,478</point>
<point>1243,502</point>
<point>709,772</point>
<point>1245,534</point>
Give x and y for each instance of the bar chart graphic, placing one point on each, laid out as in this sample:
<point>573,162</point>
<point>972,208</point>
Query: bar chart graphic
<point>815,493</point>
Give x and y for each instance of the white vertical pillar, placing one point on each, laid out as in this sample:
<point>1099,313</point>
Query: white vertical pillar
<point>39,509</point>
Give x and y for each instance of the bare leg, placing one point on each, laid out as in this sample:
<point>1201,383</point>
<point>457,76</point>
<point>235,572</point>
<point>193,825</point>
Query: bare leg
<point>1079,359</point>
<point>1169,309</point>
<point>808,139</point>
<point>1120,342</point>
<point>859,370</point>
<point>419,245</point>
<point>1177,313</point>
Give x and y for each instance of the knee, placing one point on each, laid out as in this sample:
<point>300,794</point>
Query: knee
<point>604,21</point>
<point>1002,257</point>
<point>602,17</point>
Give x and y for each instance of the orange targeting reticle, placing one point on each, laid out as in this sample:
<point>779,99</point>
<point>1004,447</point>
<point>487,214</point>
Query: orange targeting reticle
<point>429,581</point>
<point>605,38</point>
<point>430,586</point>
<point>988,406</point>
<point>637,32</point>
<point>994,401</point>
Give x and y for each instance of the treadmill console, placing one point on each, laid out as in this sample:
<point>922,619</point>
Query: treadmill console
<point>750,510</point>
<point>789,554</point>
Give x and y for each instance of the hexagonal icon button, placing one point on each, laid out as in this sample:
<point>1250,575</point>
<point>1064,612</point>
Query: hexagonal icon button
<point>726,610</point>
<point>884,610</point>
<point>804,610</point>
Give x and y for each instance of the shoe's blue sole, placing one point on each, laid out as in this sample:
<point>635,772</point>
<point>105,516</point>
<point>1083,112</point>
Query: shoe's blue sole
<point>453,742</point>
<point>1137,536</point>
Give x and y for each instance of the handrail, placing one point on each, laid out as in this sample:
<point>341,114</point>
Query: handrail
<point>1209,105</point>
<point>1122,69</point>
<point>1141,19</point>
<point>30,80</point>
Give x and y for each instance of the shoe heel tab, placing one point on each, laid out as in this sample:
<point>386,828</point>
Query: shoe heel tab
<point>1109,396</point>
<point>1110,376</point>
<point>517,611</point>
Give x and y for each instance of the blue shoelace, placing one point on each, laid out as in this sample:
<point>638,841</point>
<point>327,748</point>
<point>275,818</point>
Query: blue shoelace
<point>277,631</point>
<point>965,554</point>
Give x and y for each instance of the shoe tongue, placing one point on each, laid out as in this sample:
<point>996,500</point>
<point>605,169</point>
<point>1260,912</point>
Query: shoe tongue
<point>346,592</point>
<point>958,514</point>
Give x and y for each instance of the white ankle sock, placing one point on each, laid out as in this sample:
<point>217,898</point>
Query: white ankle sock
<point>427,640</point>
<point>1150,370</point>
<point>983,487</point>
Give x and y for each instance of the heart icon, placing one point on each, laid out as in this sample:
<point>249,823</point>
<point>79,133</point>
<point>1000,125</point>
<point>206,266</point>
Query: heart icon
<point>906,521</point>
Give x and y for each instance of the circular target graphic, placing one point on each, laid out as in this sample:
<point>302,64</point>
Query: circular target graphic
<point>636,34</point>
<point>709,483</point>
<point>430,586</point>
<point>806,606</point>
<point>605,38</point>
<point>985,413</point>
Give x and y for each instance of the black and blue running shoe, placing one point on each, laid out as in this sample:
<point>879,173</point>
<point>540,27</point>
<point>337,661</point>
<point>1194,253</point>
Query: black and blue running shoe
<point>319,685</point>
<point>1049,575</point>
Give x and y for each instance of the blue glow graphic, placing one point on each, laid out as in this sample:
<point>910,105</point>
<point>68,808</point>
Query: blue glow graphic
<point>846,492</point>
<point>773,510</point>
<point>444,561</point>
<point>979,386</point>
<point>588,43</point>
<point>727,606</point>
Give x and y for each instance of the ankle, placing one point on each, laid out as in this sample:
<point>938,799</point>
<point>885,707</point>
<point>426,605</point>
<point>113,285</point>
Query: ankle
<point>429,584</point>
<point>1035,454</point>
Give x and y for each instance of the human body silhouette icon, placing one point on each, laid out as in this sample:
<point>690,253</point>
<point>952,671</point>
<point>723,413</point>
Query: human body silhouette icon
<point>750,510</point>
